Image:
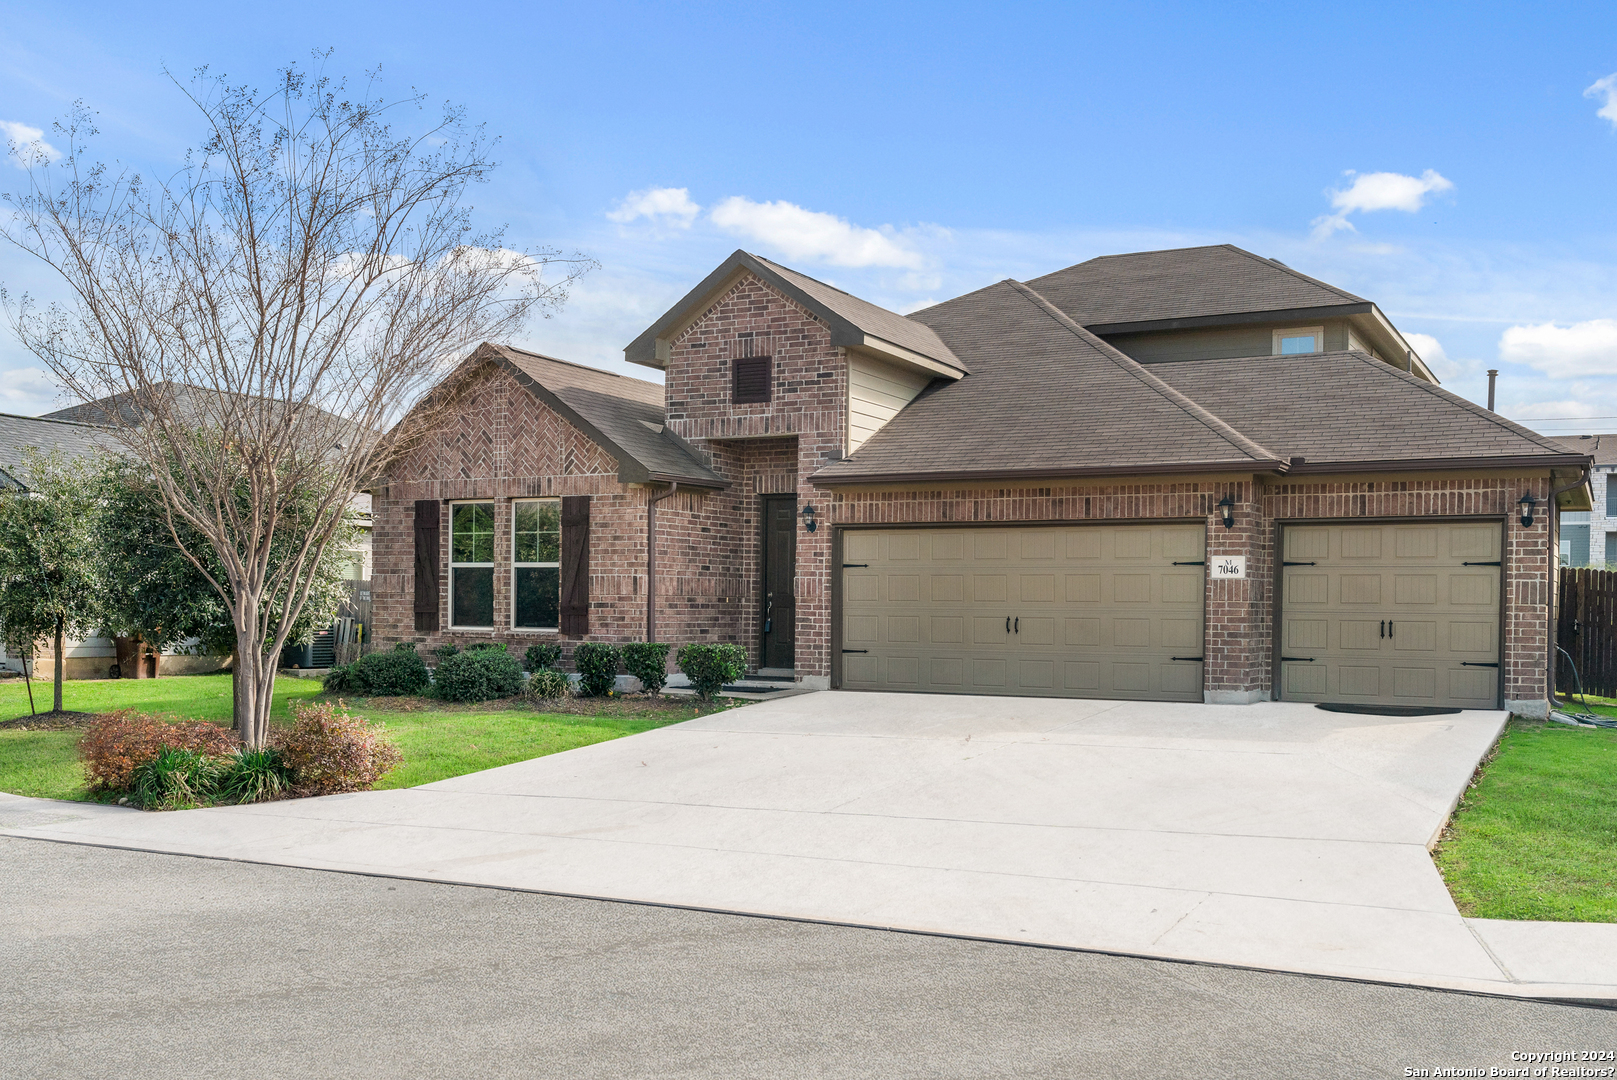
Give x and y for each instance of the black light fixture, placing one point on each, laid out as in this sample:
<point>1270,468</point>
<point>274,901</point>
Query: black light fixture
<point>808,518</point>
<point>1527,503</point>
<point>1226,507</point>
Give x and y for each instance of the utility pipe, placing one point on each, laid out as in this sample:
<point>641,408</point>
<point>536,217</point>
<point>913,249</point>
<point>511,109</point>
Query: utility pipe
<point>1493,374</point>
<point>651,557</point>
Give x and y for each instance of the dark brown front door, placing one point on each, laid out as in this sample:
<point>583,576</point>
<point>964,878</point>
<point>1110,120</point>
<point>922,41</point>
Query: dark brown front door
<point>779,575</point>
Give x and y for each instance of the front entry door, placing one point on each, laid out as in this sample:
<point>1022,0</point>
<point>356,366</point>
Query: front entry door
<point>779,578</point>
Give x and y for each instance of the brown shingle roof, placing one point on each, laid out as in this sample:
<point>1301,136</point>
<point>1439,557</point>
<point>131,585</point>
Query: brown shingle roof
<point>1184,283</point>
<point>623,415</point>
<point>1337,409</point>
<point>1602,447</point>
<point>1045,397</point>
<point>20,433</point>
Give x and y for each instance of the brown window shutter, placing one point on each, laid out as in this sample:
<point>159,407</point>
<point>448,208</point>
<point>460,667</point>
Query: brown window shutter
<point>426,564</point>
<point>575,565</point>
<point>752,379</point>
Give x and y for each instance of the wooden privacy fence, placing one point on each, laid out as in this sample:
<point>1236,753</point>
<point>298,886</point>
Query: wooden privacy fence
<point>1587,630</point>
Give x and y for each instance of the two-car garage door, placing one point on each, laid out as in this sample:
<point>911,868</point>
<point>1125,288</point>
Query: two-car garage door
<point>1112,611</point>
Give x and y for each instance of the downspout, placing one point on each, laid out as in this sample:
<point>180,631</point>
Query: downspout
<point>651,558</point>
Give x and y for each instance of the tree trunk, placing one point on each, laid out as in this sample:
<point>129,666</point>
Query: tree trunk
<point>254,692</point>
<point>61,661</point>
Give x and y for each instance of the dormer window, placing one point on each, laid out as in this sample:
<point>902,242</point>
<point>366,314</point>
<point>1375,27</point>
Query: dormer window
<point>1306,339</point>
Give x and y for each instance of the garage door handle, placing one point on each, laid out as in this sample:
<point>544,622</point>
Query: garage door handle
<point>860,565</point>
<point>1299,659</point>
<point>1472,663</point>
<point>1195,659</point>
<point>1196,562</point>
<point>1007,624</point>
<point>1496,562</point>
<point>855,650</point>
<point>1383,627</point>
<point>1018,624</point>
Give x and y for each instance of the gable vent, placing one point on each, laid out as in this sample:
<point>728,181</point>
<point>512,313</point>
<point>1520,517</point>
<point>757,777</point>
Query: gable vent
<point>752,375</point>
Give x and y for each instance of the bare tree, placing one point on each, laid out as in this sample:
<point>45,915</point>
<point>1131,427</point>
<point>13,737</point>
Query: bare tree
<point>266,314</point>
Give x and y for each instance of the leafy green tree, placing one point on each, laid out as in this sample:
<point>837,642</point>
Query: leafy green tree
<point>49,585</point>
<point>159,572</point>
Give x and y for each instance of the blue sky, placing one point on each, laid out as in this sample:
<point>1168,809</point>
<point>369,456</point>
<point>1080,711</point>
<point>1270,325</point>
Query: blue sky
<point>1450,162</point>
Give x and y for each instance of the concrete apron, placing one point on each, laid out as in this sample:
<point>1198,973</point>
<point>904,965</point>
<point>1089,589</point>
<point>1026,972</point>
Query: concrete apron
<point>1272,836</point>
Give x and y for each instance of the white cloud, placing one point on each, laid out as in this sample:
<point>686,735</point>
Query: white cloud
<point>1605,89</point>
<point>661,206</point>
<point>28,391</point>
<point>27,144</point>
<point>1563,352</point>
<point>797,233</point>
<point>1429,349</point>
<point>1379,191</point>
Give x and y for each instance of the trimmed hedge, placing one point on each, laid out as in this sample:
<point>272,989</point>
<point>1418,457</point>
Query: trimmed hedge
<point>478,674</point>
<point>597,665</point>
<point>648,662</point>
<point>398,673</point>
<point>709,667</point>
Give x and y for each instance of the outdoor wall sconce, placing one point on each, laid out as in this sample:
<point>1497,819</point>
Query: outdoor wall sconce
<point>808,518</point>
<point>1527,504</point>
<point>1226,510</point>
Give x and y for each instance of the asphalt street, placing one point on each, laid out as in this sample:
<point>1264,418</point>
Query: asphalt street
<point>126,964</point>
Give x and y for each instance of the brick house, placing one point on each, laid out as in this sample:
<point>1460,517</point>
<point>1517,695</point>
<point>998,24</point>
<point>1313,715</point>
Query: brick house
<point>1182,475</point>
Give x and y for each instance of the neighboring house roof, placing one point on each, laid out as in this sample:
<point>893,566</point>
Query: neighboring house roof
<point>1601,447</point>
<point>622,415</point>
<point>853,323</point>
<point>1327,411</point>
<point>199,406</point>
<point>1045,397</point>
<point>19,433</point>
<point>1115,291</point>
<point>1048,398</point>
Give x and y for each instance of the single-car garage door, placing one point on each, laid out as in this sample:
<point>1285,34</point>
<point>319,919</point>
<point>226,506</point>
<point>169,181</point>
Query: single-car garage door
<point>1080,611</point>
<point>1394,614</point>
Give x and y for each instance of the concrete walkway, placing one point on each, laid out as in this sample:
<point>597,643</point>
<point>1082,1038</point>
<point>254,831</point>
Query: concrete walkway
<point>1271,836</point>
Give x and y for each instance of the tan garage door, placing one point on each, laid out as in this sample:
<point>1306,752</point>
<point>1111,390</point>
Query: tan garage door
<point>1403,614</point>
<point>1083,611</point>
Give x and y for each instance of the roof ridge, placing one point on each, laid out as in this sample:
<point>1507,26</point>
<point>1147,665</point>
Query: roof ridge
<point>1465,403</point>
<point>817,281</point>
<point>571,363</point>
<point>55,420</point>
<point>1134,368</point>
<point>1343,293</point>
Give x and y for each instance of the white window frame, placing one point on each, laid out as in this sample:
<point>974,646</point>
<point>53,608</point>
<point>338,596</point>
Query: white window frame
<point>1299,331</point>
<point>493,506</point>
<point>515,566</point>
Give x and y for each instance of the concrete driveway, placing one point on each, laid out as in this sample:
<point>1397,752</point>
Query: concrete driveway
<point>1273,836</point>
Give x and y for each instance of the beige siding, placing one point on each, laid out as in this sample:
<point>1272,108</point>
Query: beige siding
<point>1215,343</point>
<point>876,392</point>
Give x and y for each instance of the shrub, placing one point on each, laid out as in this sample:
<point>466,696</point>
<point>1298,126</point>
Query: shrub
<point>445,651</point>
<point>478,675</point>
<point>117,743</point>
<point>709,667</point>
<point>597,664</point>
<point>329,751</point>
<point>176,779</point>
<point>542,657</point>
<point>381,674</point>
<point>254,776</point>
<point>648,662</point>
<point>546,684</point>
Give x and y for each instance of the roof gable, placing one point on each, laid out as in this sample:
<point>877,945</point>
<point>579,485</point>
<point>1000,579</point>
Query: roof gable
<point>852,322</point>
<point>623,416</point>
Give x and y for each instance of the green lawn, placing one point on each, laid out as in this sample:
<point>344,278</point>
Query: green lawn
<point>1536,838</point>
<point>437,742</point>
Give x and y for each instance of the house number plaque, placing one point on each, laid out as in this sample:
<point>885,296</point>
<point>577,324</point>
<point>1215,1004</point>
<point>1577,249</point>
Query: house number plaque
<point>1228,566</point>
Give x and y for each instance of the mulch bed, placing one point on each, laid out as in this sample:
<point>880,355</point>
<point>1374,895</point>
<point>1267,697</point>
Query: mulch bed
<point>66,720</point>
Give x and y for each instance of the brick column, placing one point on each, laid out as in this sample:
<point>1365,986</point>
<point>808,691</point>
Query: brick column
<point>1529,575</point>
<point>1236,649</point>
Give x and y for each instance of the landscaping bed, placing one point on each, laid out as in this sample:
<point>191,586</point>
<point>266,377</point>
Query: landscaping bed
<point>436,739</point>
<point>1535,835</point>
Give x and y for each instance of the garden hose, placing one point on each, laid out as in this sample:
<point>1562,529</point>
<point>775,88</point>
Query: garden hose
<point>1578,719</point>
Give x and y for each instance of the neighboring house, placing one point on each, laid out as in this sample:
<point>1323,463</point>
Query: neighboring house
<point>1184,475</point>
<point>1590,538</point>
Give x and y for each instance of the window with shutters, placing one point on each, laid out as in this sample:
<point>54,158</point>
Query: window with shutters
<point>471,565</point>
<point>752,378</point>
<point>536,563</point>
